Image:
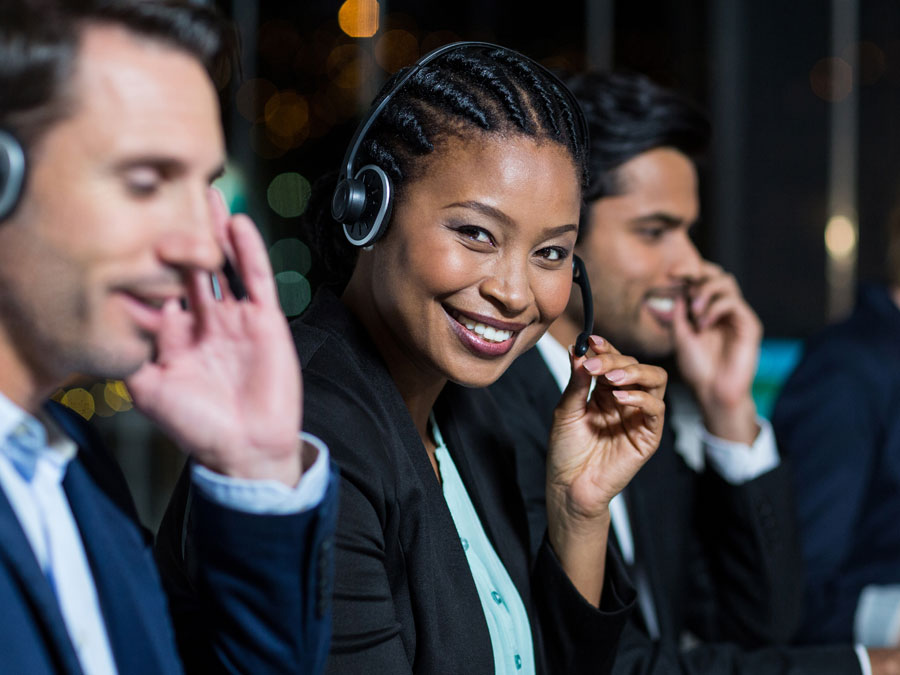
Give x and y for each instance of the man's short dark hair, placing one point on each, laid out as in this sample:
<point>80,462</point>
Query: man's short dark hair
<point>627,115</point>
<point>39,42</point>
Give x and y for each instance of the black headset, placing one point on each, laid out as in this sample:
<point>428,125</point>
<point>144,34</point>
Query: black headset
<point>580,277</point>
<point>363,199</point>
<point>12,173</point>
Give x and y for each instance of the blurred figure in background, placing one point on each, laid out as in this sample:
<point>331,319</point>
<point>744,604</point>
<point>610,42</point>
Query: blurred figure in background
<point>838,421</point>
<point>706,524</point>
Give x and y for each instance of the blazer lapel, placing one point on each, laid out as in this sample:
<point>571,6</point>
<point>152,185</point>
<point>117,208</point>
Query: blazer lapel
<point>128,587</point>
<point>17,556</point>
<point>119,554</point>
<point>654,504</point>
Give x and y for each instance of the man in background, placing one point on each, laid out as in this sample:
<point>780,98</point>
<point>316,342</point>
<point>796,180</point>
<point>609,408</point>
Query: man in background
<point>706,526</point>
<point>109,232</point>
<point>838,421</point>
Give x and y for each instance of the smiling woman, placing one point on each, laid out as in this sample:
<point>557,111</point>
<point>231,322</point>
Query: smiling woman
<point>483,153</point>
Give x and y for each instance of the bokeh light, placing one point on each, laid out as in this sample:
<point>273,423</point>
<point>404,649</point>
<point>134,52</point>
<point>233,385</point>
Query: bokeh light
<point>116,395</point>
<point>290,255</point>
<point>294,292</point>
<point>359,18</point>
<point>252,96</point>
<point>349,66</point>
<point>831,79</point>
<point>840,237</point>
<point>395,49</point>
<point>287,119</point>
<point>79,400</point>
<point>288,194</point>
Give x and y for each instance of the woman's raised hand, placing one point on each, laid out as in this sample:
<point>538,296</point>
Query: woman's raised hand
<point>598,443</point>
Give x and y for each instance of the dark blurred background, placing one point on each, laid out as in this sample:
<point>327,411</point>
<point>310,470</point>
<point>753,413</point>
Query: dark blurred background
<point>803,171</point>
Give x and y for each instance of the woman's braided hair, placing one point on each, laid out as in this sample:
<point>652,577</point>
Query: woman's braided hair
<point>481,89</point>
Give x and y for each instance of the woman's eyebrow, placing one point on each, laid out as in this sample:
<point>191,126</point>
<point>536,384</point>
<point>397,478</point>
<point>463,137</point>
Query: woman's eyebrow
<point>484,209</point>
<point>497,214</point>
<point>560,229</point>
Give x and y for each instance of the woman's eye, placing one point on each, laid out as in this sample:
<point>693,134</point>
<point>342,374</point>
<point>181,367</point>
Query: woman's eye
<point>475,234</point>
<point>553,253</point>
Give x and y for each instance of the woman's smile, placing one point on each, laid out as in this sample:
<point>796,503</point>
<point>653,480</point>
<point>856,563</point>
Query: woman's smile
<point>483,335</point>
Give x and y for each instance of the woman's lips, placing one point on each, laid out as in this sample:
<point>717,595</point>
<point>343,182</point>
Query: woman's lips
<point>482,335</point>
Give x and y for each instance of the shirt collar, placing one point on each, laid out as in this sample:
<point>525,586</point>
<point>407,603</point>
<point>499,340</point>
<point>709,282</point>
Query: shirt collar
<point>11,416</point>
<point>557,359</point>
<point>60,448</point>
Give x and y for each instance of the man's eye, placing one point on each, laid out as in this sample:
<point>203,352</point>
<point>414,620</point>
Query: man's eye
<point>141,189</point>
<point>142,182</point>
<point>652,233</point>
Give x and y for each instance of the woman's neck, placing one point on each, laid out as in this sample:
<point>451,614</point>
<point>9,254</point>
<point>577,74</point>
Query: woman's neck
<point>418,385</point>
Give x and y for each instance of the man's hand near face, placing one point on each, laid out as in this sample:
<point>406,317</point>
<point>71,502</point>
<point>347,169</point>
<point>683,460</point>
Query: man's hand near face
<point>226,382</point>
<point>717,337</point>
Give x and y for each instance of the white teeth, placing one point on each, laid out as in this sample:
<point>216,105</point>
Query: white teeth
<point>664,305</point>
<point>489,333</point>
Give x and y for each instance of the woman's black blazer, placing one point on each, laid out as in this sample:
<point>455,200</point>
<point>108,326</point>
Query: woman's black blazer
<point>404,599</point>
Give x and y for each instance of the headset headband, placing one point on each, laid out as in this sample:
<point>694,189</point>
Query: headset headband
<point>369,120</point>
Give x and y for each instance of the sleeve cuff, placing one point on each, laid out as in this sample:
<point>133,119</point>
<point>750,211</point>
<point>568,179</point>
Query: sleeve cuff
<point>740,463</point>
<point>267,497</point>
<point>864,664</point>
<point>876,622</point>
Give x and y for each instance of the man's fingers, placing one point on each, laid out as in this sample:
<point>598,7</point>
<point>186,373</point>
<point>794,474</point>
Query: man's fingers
<point>701,294</point>
<point>252,262</point>
<point>682,326</point>
<point>220,214</point>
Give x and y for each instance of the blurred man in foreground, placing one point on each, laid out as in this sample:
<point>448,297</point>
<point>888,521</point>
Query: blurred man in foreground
<point>109,140</point>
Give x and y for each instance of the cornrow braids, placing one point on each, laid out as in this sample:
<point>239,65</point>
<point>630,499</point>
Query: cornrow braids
<point>476,88</point>
<point>492,89</point>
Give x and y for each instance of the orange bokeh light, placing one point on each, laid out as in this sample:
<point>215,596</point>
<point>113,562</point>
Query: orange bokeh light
<point>359,18</point>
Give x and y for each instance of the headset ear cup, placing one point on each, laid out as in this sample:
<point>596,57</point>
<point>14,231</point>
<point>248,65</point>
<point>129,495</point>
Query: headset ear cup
<point>12,173</point>
<point>370,225</point>
<point>349,200</point>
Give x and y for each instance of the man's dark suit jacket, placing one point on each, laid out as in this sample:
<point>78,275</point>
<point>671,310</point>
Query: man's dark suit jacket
<point>721,560</point>
<point>250,582</point>
<point>838,422</point>
<point>405,600</point>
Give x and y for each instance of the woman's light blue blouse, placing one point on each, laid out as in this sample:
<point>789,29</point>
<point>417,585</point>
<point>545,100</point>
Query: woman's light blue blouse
<point>504,611</point>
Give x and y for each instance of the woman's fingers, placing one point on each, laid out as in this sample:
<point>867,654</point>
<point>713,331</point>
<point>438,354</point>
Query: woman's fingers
<point>635,375</point>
